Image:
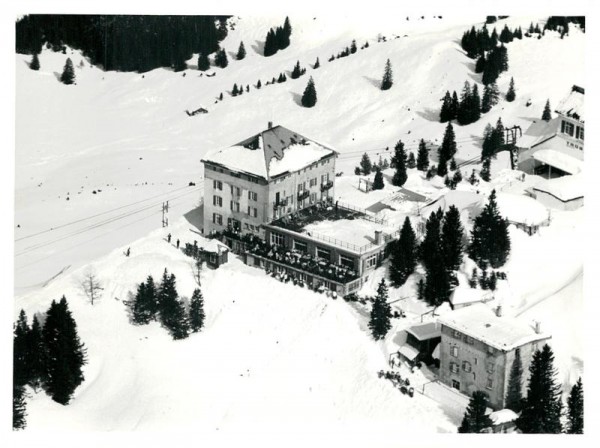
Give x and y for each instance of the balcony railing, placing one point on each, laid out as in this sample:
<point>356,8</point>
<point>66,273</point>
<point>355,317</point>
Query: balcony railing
<point>326,186</point>
<point>303,195</point>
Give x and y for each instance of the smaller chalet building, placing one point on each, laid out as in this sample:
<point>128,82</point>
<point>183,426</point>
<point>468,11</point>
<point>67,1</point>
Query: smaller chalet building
<point>478,347</point>
<point>555,148</point>
<point>421,343</point>
<point>563,193</point>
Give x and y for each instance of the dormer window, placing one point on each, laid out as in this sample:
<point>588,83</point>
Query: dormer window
<point>567,128</point>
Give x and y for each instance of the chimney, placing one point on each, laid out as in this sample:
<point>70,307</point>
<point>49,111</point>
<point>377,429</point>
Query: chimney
<point>499,311</point>
<point>378,237</point>
<point>270,125</point>
<point>538,327</point>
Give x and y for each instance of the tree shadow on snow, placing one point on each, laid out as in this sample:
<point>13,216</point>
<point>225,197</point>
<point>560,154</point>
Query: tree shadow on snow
<point>374,82</point>
<point>429,114</point>
<point>58,75</point>
<point>297,98</point>
<point>232,55</point>
<point>259,47</point>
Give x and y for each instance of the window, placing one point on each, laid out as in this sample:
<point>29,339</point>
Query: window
<point>469,340</point>
<point>252,196</point>
<point>490,382</point>
<point>455,384</point>
<point>277,238</point>
<point>475,361</point>
<point>324,178</point>
<point>313,197</point>
<point>234,206</point>
<point>453,367</point>
<point>490,350</point>
<point>217,219</point>
<point>490,367</point>
<point>323,253</point>
<point>301,187</point>
<point>218,201</point>
<point>454,351</point>
<point>313,182</point>
<point>534,347</point>
<point>301,246</point>
<point>252,211</point>
<point>579,133</point>
<point>347,261</point>
<point>457,334</point>
<point>371,261</point>
<point>466,366</point>
<point>217,185</point>
<point>567,128</point>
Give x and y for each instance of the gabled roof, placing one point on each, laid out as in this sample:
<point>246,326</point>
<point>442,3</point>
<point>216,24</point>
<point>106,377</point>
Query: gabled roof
<point>271,153</point>
<point>572,104</point>
<point>539,132</point>
<point>482,324</point>
<point>424,332</point>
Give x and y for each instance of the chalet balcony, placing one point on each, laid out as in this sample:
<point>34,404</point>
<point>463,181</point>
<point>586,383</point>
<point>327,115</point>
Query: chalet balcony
<point>281,203</point>
<point>303,195</point>
<point>327,186</point>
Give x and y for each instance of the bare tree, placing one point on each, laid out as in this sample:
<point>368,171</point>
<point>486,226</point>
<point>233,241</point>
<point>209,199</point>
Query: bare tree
<point>91,286</point>
<point>196,266</point>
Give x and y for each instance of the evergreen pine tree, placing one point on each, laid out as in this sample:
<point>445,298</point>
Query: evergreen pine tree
<point>453,165</point>
<point>547,115</point>
<point>287,32</point>
<point>506,35</point>
<point>472,178</point>
<point>19,409</point>
<point>513,394</point>
<point>422,156</point>
<point>37,355</point>
<point>490,240</point>
<point>258,84</point>
<point>221,59</point>
<point>437,282</point>
<point>317,64</point>
<point>404,256</point>
<point>421,290</point>
<point>474,279</point>
<point>379,323</point>
<point>510,94</point>
<point>203,62</point>
<point>493,281</point>
<point>66,353</point>
<point>270,44</point>
<point>387,80</point>
<point>490,97</point>
<point>378,180</point>
<point>411,162</point>
<point>399,163</point>
<point>241,54</point>
<point>475,419</point>
<point>575,409</point>
<point>309,97</point>
<point>447,150</point>
<point>296,71</point>
<point>480,64</point>
<point>446,111</point>
<point>235,91</point>
<point>542,407</point>
<point>171,310</point>
<point>196,311</point>
<point>485,170</point>
<point>455,105</point>
<point>430,247</point>
<point>353,46</point>
<point>68,74</point>
<point>463,114</point>
<point>365,164</point>
<point>35,62</point>
<point>451,238</point>
<point>475,105</point>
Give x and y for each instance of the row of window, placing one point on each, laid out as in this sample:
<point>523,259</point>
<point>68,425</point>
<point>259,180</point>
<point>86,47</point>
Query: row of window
<point>490,366</point>
<point>254,180</point>
<point>234,206</point>
<point>569,128</point>
<point>235,191</point>
<point>279,239</point>
<point>454,368</point>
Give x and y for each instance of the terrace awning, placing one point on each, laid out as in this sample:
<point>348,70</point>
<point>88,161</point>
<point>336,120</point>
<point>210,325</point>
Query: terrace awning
<point>563,162</point>
<point>408,352</point>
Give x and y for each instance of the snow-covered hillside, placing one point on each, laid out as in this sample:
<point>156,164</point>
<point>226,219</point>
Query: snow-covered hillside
<point>95,161</point>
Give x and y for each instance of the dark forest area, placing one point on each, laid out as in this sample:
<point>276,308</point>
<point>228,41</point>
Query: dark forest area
<point>124,42</point>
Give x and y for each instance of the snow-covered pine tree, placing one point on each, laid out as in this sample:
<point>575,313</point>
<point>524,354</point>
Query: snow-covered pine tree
<point>404,255</point>
<point>196,311</point>
<point>35,62</point>
<point>447,150</point>
<point>387,81</point>
<point>514,396</point>
<point>241,54</point>
<point>422,156</point>
<point>379,322</point>
<point>453,165</point>
<point>66,353</point>
<point>171,310</point>
<point>476,419</point>
<point>475,105</point>
<point>490,240</point>
<point>365,164</point>
<point>542,407</point>
<point>19,409</point>
<point>575,409</point>
<point>452,234</point>
<point>235,91</point>
<point>430,247</point>
<point>411,162</point>
<point>446,111</point>
<point>203,62</point>
<point>506,35</point>
<point>463,113</point>
<point>287,32</point>
<point>68,74</point>
<point>296,71</point>
<point>472,178</point>
<point>378,183</point>
<point>485,173</point>
<point>474,280</point>
<point>258,84</point>
<point>221,59</point>
<point>21,355</point>
<point>270,47</point>
<point>490,97</point>
<point>309,97</point>
<point>37,355</point>
<point>317,64</point>
<point>511,94</point>
<point>547,114</point>
<point>399,162</point>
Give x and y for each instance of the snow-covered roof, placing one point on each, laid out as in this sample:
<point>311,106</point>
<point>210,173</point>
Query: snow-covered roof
<point>463,296</point>
<point>572,104</point>
<point>271,152</point>
<point>480,322</point>
<point>213,245</point>
<point>408,351</point>
<point>426,331</point>
<point>538,132</point>
<point>521,209</point>
<point>559,160</point>
<point>503,416</point>
<point>564,188</point>
<point>466,201</point>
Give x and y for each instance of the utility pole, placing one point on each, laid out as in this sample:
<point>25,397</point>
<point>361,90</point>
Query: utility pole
<point>165,216</point>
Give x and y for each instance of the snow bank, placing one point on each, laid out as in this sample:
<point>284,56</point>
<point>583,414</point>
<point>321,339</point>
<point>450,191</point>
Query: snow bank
<point>522,209</point>
<point>564,188</point>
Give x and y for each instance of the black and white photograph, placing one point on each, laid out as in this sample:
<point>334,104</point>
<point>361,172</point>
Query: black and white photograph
<point>282,223</point>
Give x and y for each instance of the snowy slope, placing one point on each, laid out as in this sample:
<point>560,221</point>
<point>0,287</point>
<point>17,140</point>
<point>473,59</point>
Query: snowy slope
<point>128,135</point>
